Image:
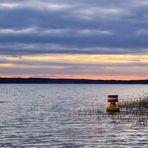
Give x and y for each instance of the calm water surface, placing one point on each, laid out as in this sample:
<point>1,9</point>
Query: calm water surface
<point>64,116</point>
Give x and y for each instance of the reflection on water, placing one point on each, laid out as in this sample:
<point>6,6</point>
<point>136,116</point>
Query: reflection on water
<point>69,116</point>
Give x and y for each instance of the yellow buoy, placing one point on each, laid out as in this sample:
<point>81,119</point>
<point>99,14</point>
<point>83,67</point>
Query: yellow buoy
<point>113,107</point>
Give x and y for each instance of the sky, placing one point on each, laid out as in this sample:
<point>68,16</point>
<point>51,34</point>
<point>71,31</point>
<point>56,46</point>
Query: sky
<point>90,39</point>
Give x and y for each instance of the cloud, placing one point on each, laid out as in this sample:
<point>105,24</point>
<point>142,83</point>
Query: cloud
<point>76,66</point>
<point>13,31</point>
<point>8,5</point>
<point>142,32</point>
<point>67,26</point>
<point>33,4</point>
<point>97,12</point>
<point>50,31</point>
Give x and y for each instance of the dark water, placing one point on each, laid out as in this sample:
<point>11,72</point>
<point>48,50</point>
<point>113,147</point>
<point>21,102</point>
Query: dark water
<point>67,116</point>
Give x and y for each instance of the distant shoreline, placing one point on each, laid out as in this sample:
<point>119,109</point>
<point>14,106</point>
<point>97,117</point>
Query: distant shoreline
<point>67,81</point>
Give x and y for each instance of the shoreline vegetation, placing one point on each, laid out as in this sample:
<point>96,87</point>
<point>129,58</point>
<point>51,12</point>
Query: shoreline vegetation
<point>68,81</point>
<point>134,112</point>
<point>140,104</point>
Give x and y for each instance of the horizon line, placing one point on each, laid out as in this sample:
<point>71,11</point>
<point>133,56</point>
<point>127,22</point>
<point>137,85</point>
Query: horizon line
<point>73,79</point>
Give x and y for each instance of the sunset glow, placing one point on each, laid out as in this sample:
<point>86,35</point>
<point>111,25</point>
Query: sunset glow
<point>77,66</point>
<point>74,39</point>
<point>89,58</point>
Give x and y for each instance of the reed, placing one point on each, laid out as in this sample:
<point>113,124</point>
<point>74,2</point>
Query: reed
<point>134,112</point>
<point>141,103</point>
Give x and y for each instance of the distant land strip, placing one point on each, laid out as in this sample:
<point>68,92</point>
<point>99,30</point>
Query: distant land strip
<point>67,81</point>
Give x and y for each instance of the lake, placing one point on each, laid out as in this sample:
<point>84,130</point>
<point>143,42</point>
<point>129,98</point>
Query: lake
<point>68,116</point>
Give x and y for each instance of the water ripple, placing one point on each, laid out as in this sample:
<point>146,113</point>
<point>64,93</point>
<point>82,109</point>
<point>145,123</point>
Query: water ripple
<point>66,116</point>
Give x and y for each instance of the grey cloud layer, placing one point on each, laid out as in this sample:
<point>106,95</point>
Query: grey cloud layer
<point>67,26</point>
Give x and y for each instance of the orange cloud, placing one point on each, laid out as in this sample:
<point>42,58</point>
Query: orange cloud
<point>6,65</point>
<point>84,58</point>
<point>112,68</point>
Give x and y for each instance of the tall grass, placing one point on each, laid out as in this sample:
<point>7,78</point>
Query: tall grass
<point>141,103</point>
<point>134,112</point>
